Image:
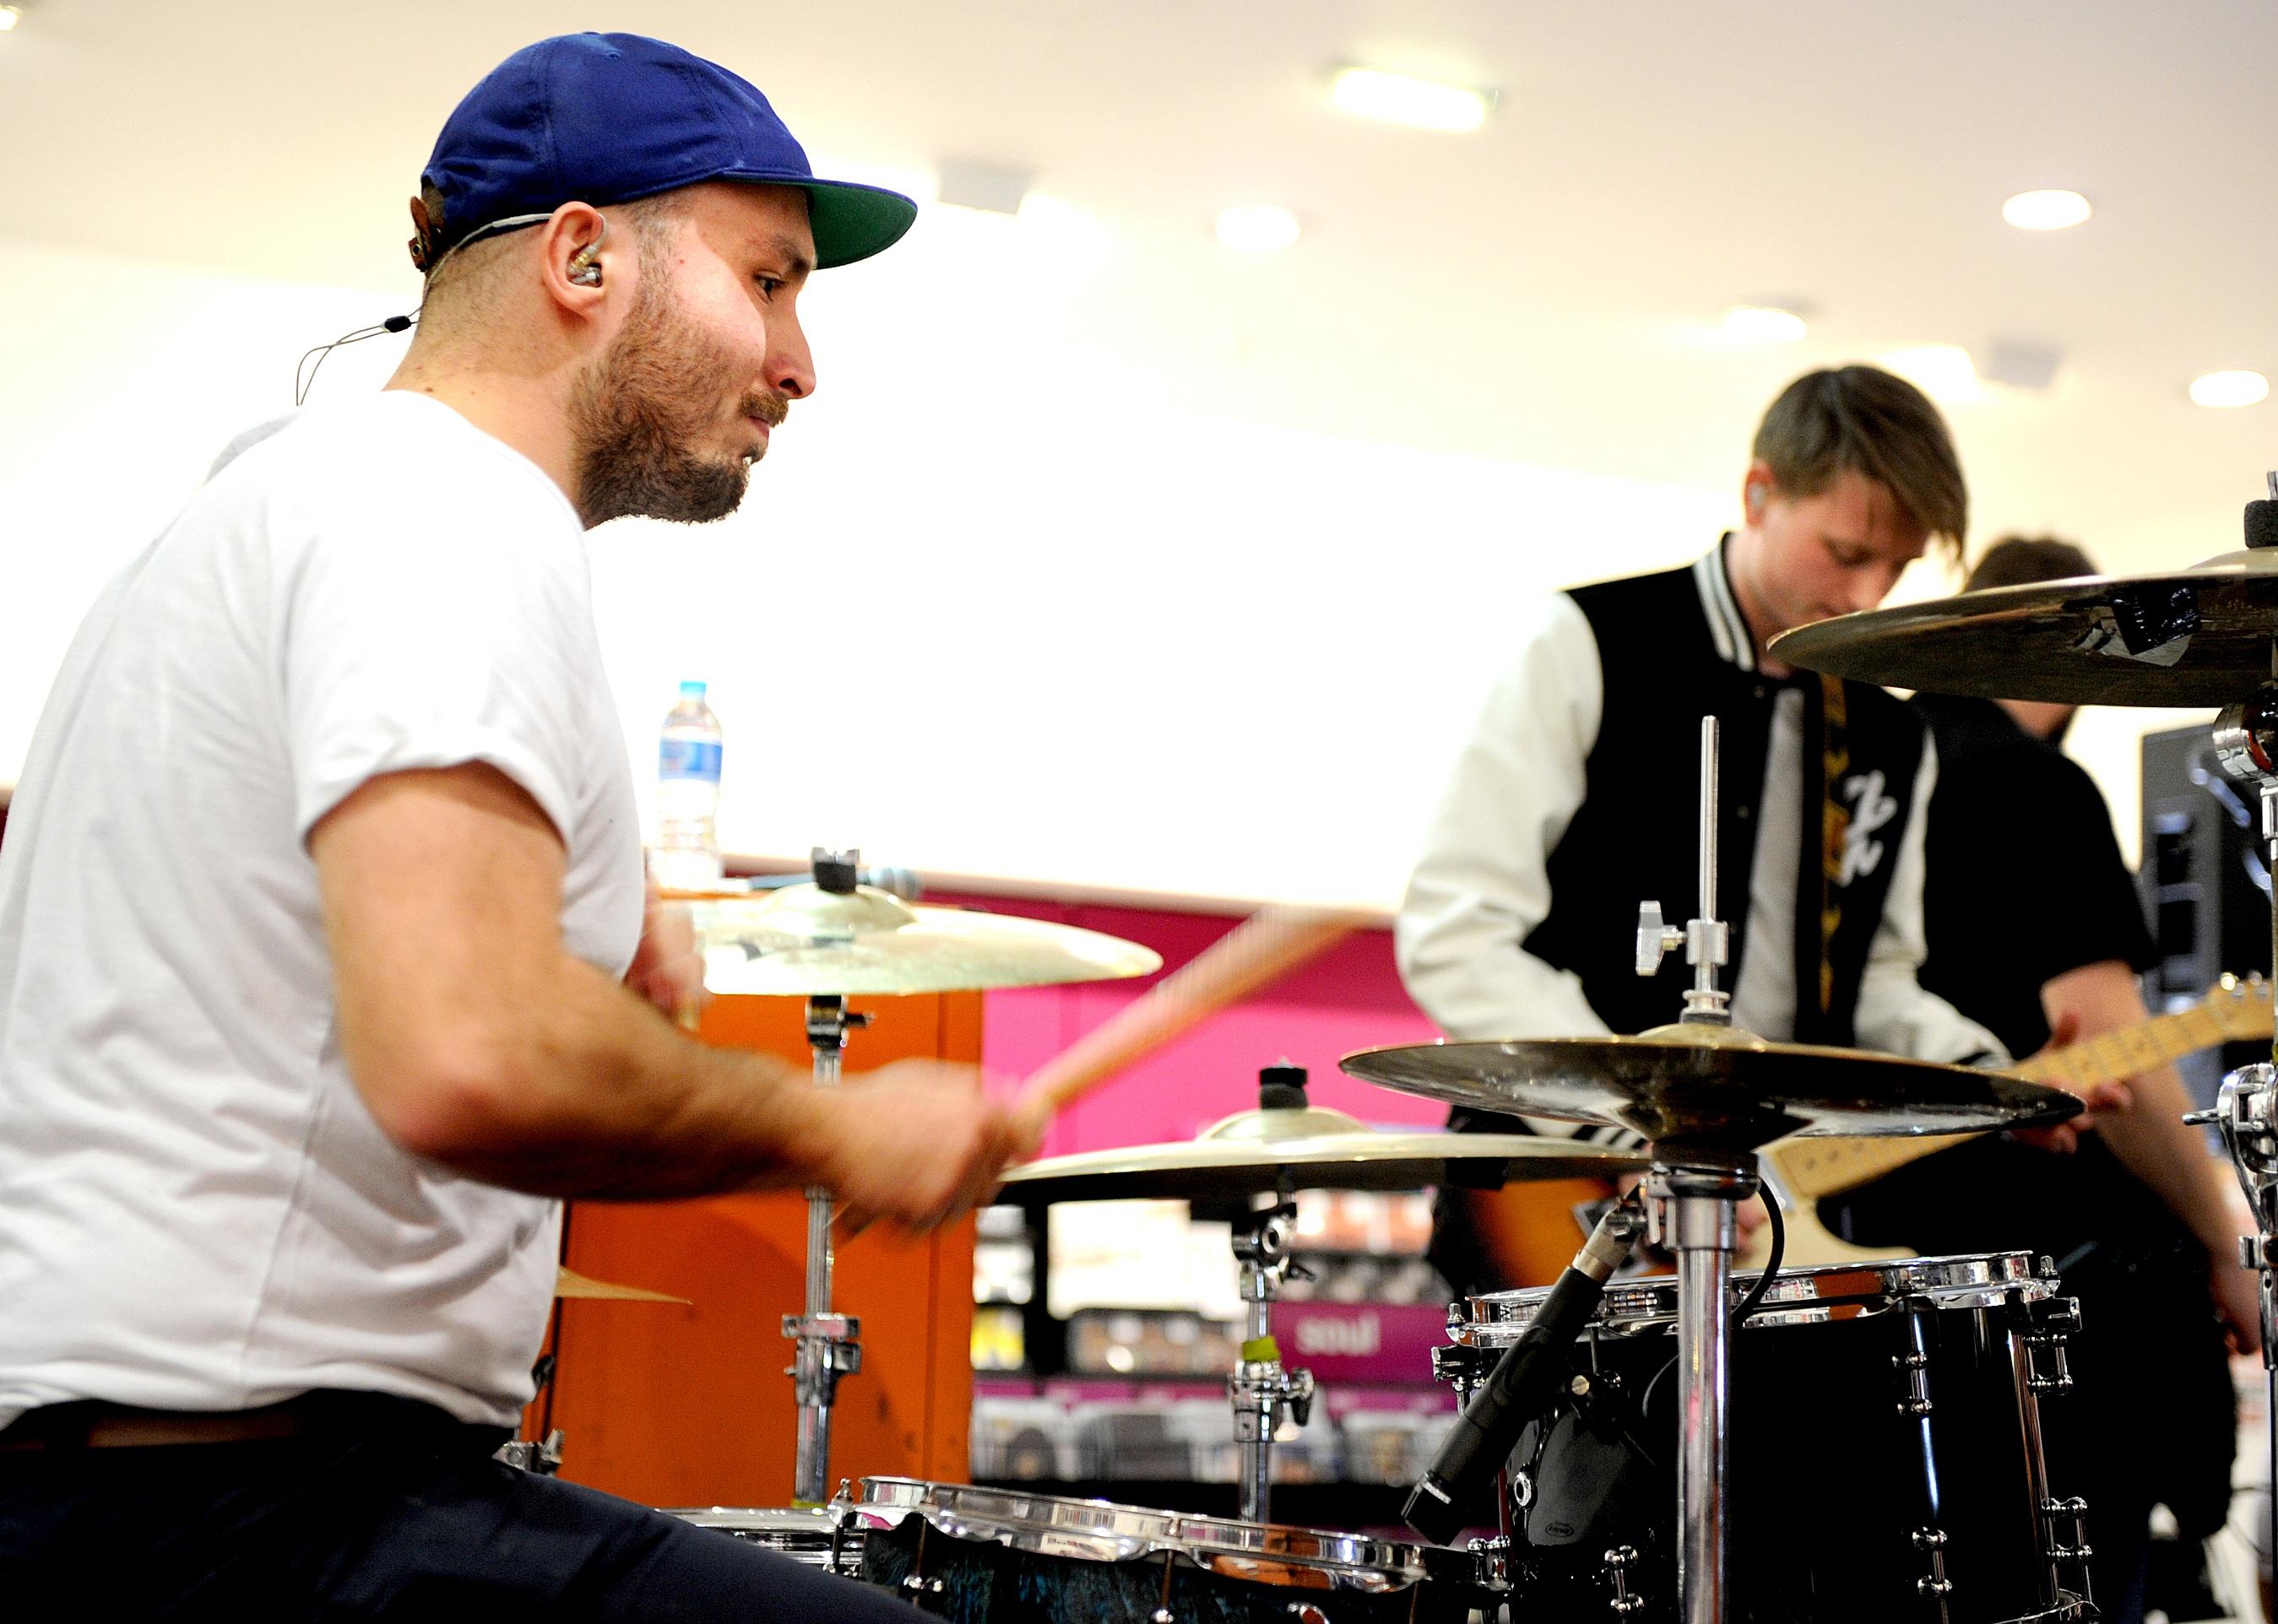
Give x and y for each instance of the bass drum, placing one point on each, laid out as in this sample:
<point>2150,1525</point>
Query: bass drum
<point>817,1538</point>
<point>996,1556</point>
<point>1886,1459</point>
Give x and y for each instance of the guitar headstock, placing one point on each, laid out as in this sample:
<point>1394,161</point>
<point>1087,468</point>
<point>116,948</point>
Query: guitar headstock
<point>2240,1006</point>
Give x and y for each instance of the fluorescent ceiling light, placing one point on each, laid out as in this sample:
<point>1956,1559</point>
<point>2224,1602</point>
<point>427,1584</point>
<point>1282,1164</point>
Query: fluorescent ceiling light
<point>1762,323</point>
<point>1942,371</point>
<point>2045,212</point>
<point>2229,388</point>
<point>1256,228</point>
<point>1416,103</point>
<point>10,16</point>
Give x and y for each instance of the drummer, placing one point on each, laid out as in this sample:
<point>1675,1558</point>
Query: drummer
<point>322,903</point>
<point>1574,797</point>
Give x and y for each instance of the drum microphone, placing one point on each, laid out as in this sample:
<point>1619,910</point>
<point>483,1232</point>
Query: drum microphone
<point>902,882</point>
<point>1529,1370</point>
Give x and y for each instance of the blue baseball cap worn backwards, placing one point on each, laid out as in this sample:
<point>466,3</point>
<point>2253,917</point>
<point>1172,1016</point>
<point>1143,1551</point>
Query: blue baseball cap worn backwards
<point>606,119</point>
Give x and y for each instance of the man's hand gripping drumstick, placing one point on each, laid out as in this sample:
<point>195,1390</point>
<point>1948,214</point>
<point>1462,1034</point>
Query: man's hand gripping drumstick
<point>1266,945</point>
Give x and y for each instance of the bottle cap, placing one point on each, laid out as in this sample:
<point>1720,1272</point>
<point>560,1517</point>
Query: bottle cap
<point>692,690</point>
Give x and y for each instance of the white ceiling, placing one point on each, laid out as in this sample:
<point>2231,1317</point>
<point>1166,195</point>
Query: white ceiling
<point>1533,293</point>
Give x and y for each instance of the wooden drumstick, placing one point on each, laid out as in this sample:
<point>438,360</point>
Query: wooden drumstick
<point>1269,941</point>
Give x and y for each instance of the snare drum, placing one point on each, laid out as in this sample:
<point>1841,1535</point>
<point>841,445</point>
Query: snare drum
<point>997,1556</point>
<point>817,1538</point>
<point>1886,1459</point>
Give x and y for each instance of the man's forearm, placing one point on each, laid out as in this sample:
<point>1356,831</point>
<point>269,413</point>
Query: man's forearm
<point>2151,1141</point>
<point>602,1097</point>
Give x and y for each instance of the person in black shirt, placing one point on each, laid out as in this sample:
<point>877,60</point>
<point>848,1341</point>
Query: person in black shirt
<point>2033,928</point>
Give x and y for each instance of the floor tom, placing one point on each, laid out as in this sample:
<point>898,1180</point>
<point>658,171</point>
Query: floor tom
<point>1888,1462</point>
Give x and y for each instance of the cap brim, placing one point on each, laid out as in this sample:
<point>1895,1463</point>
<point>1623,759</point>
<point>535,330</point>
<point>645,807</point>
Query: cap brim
<point>852,221</point>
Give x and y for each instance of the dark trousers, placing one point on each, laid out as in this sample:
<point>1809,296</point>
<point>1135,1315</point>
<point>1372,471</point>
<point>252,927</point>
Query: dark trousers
<point>402,1515</point>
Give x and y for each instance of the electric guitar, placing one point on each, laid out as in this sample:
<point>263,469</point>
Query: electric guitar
<point>1529,1230</point>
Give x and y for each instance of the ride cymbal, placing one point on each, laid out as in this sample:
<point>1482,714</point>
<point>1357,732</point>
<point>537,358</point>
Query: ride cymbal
<point>2201,636</point>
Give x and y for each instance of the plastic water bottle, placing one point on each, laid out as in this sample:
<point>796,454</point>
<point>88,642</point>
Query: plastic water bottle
<point>687,852</point>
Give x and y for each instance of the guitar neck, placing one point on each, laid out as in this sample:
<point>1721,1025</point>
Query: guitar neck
<point>1811,1168</point>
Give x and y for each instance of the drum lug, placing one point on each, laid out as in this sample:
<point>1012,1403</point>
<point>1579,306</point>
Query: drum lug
<point>1619,1560</point>
<point>1493,1554</point>
<point>1934,1584</point>
<point>2048,1366</point>
<point>2067,1520</point>
<point>1914,1383</point>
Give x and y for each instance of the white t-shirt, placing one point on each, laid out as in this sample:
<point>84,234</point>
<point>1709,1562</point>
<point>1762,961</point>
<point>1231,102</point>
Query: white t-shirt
<point>196,1211</point>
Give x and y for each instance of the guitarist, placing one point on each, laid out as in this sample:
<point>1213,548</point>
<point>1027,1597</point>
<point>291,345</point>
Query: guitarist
<point>1574,797</point>
<point>2033,928</point>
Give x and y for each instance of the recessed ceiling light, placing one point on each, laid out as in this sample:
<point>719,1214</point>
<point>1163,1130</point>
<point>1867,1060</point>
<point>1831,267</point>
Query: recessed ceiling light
<point>1942,371</point>
<point>1256,228</point>
<point>1763,323</point>
<point>1416,103</point>
<point>2045,212</point>
<point>2229,388</point>
<point>10,16</point>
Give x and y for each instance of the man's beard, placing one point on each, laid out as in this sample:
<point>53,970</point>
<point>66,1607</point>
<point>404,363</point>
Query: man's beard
<point>639,415</point>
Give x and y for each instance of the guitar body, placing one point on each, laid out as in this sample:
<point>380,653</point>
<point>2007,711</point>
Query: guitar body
<point>1527,1232</point>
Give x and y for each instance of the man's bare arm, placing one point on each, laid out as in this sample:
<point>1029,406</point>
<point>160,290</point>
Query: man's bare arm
<point>2148,1137</point>
<point>478,1041</point>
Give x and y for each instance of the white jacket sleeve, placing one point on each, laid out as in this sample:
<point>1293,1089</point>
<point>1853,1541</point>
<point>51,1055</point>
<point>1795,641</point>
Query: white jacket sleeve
<point>1894,1014</point>
<point>1482,884</point>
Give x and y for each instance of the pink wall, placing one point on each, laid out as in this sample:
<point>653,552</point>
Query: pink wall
<point>1348,997</point>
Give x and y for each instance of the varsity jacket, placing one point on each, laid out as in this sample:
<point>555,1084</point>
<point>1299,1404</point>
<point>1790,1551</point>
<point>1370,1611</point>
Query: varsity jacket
<point>1577,797</point>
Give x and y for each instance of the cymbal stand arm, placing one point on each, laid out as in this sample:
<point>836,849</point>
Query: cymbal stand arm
<point>1261,1388</point>
<point>827,1345</point>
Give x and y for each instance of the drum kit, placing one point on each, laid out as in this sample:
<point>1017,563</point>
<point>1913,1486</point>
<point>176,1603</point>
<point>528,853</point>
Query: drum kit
<point>1599,1414</point>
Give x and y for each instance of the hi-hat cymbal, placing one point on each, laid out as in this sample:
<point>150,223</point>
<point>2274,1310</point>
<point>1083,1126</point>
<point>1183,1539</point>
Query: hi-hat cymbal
<point>1308,1148</point>
<point>2201,636</point>
<point>1712,1084</point>
<point>804,941</point>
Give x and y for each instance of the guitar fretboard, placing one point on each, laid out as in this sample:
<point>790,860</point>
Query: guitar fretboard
<point>1815,1167</point>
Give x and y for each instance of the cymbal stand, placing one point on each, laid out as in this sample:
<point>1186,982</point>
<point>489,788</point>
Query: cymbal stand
<point>2246,1108</point>
<point>827,1344</point>
<point>1694,1190</point>
<point>1261,1390</point>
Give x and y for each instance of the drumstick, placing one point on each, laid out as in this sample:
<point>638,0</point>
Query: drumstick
<point>1261,947</point>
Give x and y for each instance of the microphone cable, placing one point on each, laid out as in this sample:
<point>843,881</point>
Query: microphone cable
<point>302,385</point>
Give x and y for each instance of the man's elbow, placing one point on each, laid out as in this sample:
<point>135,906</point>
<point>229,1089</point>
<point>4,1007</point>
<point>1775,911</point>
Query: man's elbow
<point>462,1111</point>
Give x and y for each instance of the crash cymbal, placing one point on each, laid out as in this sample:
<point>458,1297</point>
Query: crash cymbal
<point>2201,636</point>
<point>1698,1083</point>
<point>1313,1149</point>
<point>804,941</point>
<point>569,1283</point>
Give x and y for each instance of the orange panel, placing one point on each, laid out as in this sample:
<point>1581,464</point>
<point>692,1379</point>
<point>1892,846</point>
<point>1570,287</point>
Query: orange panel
<point>690,1407</point>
